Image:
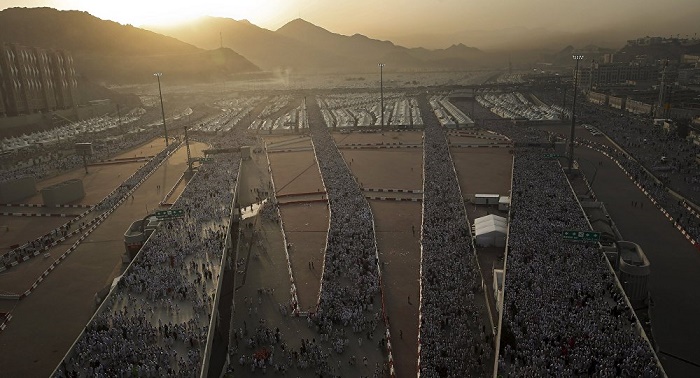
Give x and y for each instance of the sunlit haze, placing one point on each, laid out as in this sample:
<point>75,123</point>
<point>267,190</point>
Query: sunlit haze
<point>412,23</point>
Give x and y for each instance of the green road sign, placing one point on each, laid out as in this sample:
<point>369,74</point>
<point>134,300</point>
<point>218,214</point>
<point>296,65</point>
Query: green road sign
<point>587,236</point>
<point>170,214</point>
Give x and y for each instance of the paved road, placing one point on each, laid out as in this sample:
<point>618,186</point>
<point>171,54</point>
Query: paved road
<point>675,264</point>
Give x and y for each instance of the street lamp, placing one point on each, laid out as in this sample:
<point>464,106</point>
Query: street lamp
<point>162,109</point>
<point>577,58</point>
<point>381,89</point>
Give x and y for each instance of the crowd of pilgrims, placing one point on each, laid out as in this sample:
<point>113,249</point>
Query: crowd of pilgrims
<point>563,314</point>
<point>350,280</point>
<point>453,335</point>
<point>110,201</point>
<point>155,323</point>
<point>262,349</point>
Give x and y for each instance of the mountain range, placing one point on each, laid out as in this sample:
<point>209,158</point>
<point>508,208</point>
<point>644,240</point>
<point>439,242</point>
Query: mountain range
<point>214,48</point>
<point>105,51</point>
<point>301,46</point>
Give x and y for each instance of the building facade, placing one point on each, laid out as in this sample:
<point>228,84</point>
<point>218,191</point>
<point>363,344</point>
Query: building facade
<point>605,74</point>
<point>35,80</point>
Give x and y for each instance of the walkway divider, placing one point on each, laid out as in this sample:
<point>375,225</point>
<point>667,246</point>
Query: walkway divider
<point>39,215</point>
<point>79,206</point>
<point>171,191</point>
<point>93,224</point>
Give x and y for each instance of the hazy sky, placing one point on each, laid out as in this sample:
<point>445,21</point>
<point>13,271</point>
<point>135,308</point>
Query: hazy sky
<point>386,19</point>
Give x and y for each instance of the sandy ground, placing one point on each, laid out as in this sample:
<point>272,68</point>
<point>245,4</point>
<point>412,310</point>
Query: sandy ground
<point>387,169</point>
<point>295,172</point>
<point>397,227</point>
<point>399,253</point>
<point>406,137</point>
<point>305,225</point>
<point>483,171</point>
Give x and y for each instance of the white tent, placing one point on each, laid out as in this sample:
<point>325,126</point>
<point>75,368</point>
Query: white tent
<point>490,231</point>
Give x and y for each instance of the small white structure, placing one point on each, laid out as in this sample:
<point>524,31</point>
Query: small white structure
<point>498,288</point>
<point>486,199</point>
<point>504,203</point>
<point>490,231</point>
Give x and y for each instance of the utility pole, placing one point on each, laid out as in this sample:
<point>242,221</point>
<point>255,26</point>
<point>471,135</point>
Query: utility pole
<point>187,143</point>
<point>381,90</point>
<point>162,109</point>
<point>577,58</point>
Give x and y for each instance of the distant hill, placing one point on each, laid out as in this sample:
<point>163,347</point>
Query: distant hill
<point>106,51</point>
<point>304,47</point>
<point>368,51</point>
<point>265,48</point>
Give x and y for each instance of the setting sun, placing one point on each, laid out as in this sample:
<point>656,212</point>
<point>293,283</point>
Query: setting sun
<point>163,12</point>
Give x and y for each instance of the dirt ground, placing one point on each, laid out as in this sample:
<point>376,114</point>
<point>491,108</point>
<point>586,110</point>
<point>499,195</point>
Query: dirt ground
<point>295,172</point>
<point>406,137</point>
<point>397,227</point>
<point>387,168</point>
<point>399,253</point>
<point>483,171</point>
<point>305,225</point>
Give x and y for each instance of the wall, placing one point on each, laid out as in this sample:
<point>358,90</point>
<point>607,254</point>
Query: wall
<point>16,190</point>
<point>63,192</point>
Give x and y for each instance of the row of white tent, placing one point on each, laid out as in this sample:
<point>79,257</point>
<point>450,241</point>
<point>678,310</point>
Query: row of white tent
<point>448,114</point>
<point>515,105</point>
<point>365,111</point>
<point>70,131</point>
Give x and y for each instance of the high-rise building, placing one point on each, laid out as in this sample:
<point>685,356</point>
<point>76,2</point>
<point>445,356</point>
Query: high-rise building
<point>35,80</point>
<point>63,79</point>
<point>605,74</point>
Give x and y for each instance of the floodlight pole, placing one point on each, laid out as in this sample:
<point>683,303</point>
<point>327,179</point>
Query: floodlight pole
<point>189,158</point>
<point>381,90</point>
<point>162,109</point>
<point>577,58</point>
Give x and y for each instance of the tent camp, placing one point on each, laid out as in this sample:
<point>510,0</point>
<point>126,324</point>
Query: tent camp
<point>490,231</point>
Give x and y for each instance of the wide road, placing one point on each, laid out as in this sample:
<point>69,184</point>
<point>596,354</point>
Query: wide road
<point>675,264</point>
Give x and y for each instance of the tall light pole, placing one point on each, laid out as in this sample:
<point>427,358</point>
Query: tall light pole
<point>381,89</point>
<point>577,58</point>
<point>162,109</point>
